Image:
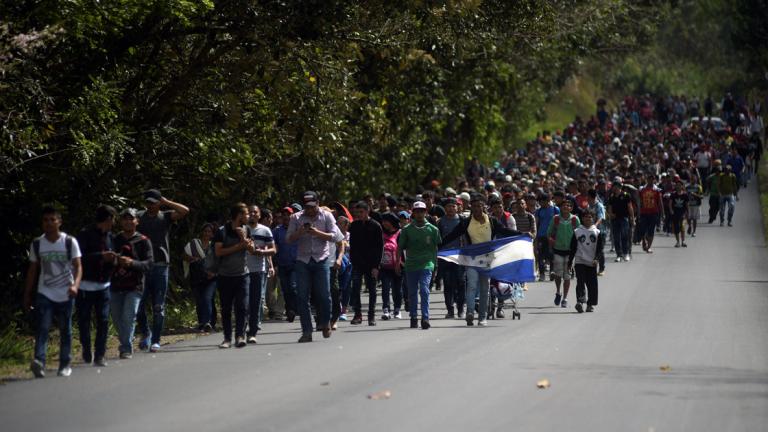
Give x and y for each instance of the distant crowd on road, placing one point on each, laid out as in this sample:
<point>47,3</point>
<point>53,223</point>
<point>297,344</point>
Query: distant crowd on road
<point>611,181</point>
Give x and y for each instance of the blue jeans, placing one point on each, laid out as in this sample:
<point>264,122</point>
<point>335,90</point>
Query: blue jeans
<point>205,292</point>
<point>257,289</point>
<point>125,305</point>
<point>391,282</point>
<point>620,236</point>
<point>478,285</point>
<point>87,302</point>
<point>155,289</point>
<point>345,279</point>
<point>46,310</point>
<point>314,277</point>
<point>418,285</point>
<point>233,292</point>
<point>357,288</point>
<point>731,203</point>
<point>287,277</point>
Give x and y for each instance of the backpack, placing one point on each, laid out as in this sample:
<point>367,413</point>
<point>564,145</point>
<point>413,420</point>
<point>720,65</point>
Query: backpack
<point>556,223</point>
<point>67,245</point>
<point>389,257</point>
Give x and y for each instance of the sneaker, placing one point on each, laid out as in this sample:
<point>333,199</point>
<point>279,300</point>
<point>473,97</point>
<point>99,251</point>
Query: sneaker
<point>693,235</point>
<point>483,323</point>
<point>602,273</point>
<point>239,342</point>
<point>87,358</point>
<point>306,337</point>
<point>414,323</point>
<point>721,224</point>
<point>372,322</point>
<point>126,356</point>
<point>677,244</point>
<point>730,224</point>
<point>650,251</point>
<point>334,326</point>
<point>385,316</point>
<point>327,332</point>
<point>684,245</point>
<point>590,308</point>
<point>541,278</point>
<point>64,372</point>
<point>145,343</point>
<point>252,340</point>
<point>627,258</point>
<point>450,315</point>
<point>343,317</point>
<point>155,347</point>
<point>358,319</point>
<point>461,315</point>
<point>425,324</point>
<point>579,308</point>
<point>558,297</point>
<point>100,362</point>
<point>38,368</point>
<point>564,303</point>
<point>207,328</point>
<point>290,316</point>
<point>226,344</point>
<point>397,315</point>
<point>618,259</point>
<point>500,313</point>
<point>470,320</point>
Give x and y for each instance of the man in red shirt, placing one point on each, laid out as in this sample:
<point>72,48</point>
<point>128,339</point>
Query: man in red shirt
<point>651,210</point>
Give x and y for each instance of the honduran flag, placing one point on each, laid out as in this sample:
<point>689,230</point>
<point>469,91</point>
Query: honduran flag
<point>508,259</point>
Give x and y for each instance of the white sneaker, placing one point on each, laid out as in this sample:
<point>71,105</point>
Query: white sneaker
<point>38,368</point>
<point>483,323</point>
<point>618,259</point>
<point>154,348</point>
<point>65,371</point>
<point>627,258</point>
<point>397,315</point>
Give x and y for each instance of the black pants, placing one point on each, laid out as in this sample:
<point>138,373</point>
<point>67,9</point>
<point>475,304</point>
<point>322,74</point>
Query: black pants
<point>335,295</point>
<point>452,275</point>
<point>357,287</point>
<point>586,275</point>
<point>714,207</point>
<point>233,293</point>
<point>89,302</point>
<point>543,254</point>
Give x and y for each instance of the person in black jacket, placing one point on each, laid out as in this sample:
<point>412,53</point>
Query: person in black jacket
<point>95,241</point>
<point>366,248</point>
<point>478,228</point>
<point>133,258</point>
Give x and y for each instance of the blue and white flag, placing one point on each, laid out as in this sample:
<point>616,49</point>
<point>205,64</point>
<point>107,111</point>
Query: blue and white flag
<point>508,259</point>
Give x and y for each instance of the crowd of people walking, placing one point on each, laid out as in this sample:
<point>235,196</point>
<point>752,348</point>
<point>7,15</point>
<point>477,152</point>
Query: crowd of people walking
<point>615,180</point>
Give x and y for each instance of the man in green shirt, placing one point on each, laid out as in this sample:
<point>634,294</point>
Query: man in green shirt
<point>560,232</point>
<point>728,185</point>
<point>714,192</point>
<point>419,241</point>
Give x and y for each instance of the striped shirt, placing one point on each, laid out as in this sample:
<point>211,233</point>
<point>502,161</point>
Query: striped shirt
<point>526,223</point>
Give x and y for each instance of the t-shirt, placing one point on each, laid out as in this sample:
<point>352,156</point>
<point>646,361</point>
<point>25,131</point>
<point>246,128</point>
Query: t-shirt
<point>694,194</point>
<point>234,264</point>
<point>480,232</point>
<point>262,237</point>
<point>157,228</point>
<point>420,246</point>
<point>679,203</point>
<point>524,222</point>
<point>650,200</point>
<point>543,218</point>
<point>619,204</point>
<point>703,159</point>
<point>286,252</point>
<point>56,271</point>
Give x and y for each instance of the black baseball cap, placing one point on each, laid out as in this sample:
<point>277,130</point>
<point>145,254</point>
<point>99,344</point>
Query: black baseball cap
<point>153,196</point>
<point>310,199</point>
<point>132,212</point>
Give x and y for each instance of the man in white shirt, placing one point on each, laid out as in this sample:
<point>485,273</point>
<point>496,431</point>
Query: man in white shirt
<point>56,272</point>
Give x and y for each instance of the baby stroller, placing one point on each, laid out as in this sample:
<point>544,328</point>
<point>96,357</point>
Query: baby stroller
<point>501,292</point>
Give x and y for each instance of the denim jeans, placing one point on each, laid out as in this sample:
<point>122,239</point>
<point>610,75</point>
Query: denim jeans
<point>620,235</point>
<point>87,303</point>
<point>345,279</point>
<point>357,285</point>
<point>335,294</point>
<point>391,282</point>
<point>46,310</point>
<point>313,276</point>
<point>233,293</point>
<point>478,285</point>
<point>731,203</point>
<point>155,289</point>
<point>125,305</point>
<point>452,275</point>
<point>287,277</point>
<point>418,286</point>
<point>257,289</point>
<point>543,254</point>
<point>205,293</point>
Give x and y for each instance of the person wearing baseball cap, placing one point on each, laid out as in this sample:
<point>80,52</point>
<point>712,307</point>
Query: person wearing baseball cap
<point>419,240</point>
<point>156,225</point>
<point>312,229</point>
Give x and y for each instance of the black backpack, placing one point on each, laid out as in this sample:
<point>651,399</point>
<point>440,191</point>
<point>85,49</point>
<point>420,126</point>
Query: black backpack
<point>67,245</point>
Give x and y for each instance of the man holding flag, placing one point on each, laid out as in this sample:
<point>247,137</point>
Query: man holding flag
<point>503,260</point>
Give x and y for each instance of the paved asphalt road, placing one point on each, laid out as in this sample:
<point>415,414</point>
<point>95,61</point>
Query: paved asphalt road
<point>702,310</point>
